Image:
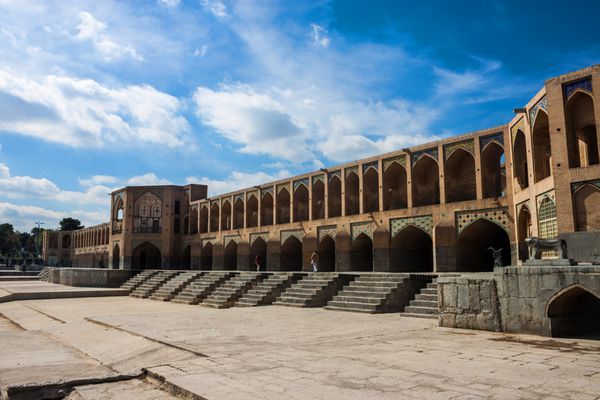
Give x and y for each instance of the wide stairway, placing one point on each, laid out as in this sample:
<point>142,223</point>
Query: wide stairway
<point>175,285</point>
<point>266,291</point>
<point>153,283</point>
<point>226,294</point>
<point>199,289</point>
<point>314,290</point>
<point>425,304</point>
<point>373,293</point>
<point>136,280</point>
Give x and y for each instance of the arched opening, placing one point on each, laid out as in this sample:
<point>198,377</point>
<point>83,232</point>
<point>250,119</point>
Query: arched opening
<point>258,248</point>
<point>371,190</point>
<point>334,197</point>
<point>283,207</point>
<point>301,203</point>
<point>146,256</point>
<point>574,313</point>
<point>394,187</point>
<point>542,152</point>
<point>411,250</point>
<point>473,253</point>
<point>520,168</point>
<point>352,199</point>
<point>291,255</point>
<point>548,228</point>
<point>116,257</point>
<point>326,252</point>
<point>225,215</point>
<point>203,219</point>
<point>194,221</point>
<point>206,258</point>
<point>147,214</point>
<point>587,210</point>
<point>361,254</point>
<point>238,214</point>
<point>186,258</point>
<point>230,256</point>
<point>523,231</point>
<point>318,200</point>
<point>582,138</point>
<point>425,183</point>
<point>66,241</point>
<point>266,210</point>
<point>460,176</point>
<point>251,211</point>
<point>493,173</point>
<point>214,217</point>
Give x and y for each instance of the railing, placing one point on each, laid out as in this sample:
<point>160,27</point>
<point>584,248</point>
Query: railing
<point>147,229</point>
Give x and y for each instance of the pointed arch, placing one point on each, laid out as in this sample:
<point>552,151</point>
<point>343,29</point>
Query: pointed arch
<point>301,203</point>
<point>371,190</point>
<point>147,212</point>
<point>582,137</point>
<point>186,258</point>
<point>214,217</point>
<point>326,252</point>
<point>230,256</point>
<point>547,223</point>
<point>146,256</point>
<point>318,199</point>
<point>473,254</point>
<point>411,250</point>
<point>361,253</point>
<point>523,231</point>
<point>251,211</point>
<point>283,206</point>
<point>587,211</point>
<point>291,255</point>
<point>334,197</point>
<point>258,249</point>
<point>116,257</point>
<point>266,210</point>
<point>520,166</point>
<point>395,187</point>
<point>203,219</point>
<point>542,152</point>
<point>493,173</point>
<point>194,221</point>
<point>425,182</point>
<point>573,312</point>
<point>460,176</point>
<point>352,193</point>
<point>206,257</point>
<point>238,213</point>
<point>225,215</point>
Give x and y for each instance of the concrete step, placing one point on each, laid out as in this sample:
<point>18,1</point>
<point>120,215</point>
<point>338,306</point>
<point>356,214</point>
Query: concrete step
<point>349,309</point>
<point>427,297</point>
<point>421,310</point>
<point>432,285</point>
<point>380,284</point>
<point>353,304</point>
<point>343,298</point>
<point>418,315</point>
<point>424,303</point>
<point>429,291</point>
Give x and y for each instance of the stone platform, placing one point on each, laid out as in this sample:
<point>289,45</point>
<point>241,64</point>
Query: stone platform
<point>13,290</point>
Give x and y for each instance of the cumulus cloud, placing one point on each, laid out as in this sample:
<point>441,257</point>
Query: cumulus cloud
<point>147,180</point>
<point>23,217</point>
<point>84,113</point>
<point>217,8</point>
<point>97,180</point>
<point>236,181</point>
<point>319,35</point>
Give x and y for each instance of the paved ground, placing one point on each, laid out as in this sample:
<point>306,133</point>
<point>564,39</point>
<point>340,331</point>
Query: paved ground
<point>278,352</point>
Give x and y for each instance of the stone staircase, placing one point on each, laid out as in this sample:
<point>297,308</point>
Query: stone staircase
<point>314,290</point>
<point>267,291</point>
<point>199,289</point>
<point>136,280</point>
<point>226,294</point>
<point>153,283</point>
<point>374,293</point>
<point>425,304</point>
<point>175,285</point>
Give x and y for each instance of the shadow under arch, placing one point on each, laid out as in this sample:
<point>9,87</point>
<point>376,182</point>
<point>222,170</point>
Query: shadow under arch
<point>146,255</point>
<point>574,312</point>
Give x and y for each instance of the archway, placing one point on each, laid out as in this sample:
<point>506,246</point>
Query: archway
<point>361,254</point>
<point>460,176</point>
<point>326,252</point>
<point>371,190</point>
<point>66,241</point>
<point>116,257</point>
<point>206,257</point>
<point>523,231</point>
<point>214,217</point>
<point>520,168</point>
<point>394,187</point>
<point>291,255</point>
<point>146,256</point>
<point>587,212</point>
<point>334,197</point>
<point>203,219</point>
<point>301,203</point>
<point>225,215</point>
<point>251,211</point>
<point>411,250</point>
<point>318,200</point>
<point>194,221</point>
<point>473,254</point>
<point>582,138</point>
<point>492,170</point>
<point>542,151</point>
<point>238,214</point>
<point>283,206</point>
<point>425,182</point>
<point>573,312</point>
<point>186,258</point>
<point>258,248</point>
<point>266,210</point>
<point>230,256</point>
<point>352,199</point>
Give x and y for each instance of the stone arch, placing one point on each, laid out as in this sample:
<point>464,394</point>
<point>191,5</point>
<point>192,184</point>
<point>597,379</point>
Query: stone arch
<point>230,256</point>
<point>493,173</point>
<point>395,187</point>
<point>425,182</point>
<point>352,194</point>
<point>318,200</point>
<point>334,197</point>
<point>361,254</point>
<point>573,312</point>
<point>225,215</point>
<point>186,258</point>
<point>542,152</point>
<point>266,210</point>
<point>326,252</point>
<point>206,256</point>
<point>370,190</point>
<point>283,206</point>
<point>194,221</point>
<point>214,217</point>
<point>203,219</point>
<point>251,211</point>
<point>587,211</point>
<point>258,248</point>
<point>146,256</point>
<point>460,176</point>
<point>301,203</point>
<point>520,166</point>
<point>116,257</point>
<point>582,138</point>
<point>473,254</point>
<point>147,214</point>
<point>523,231</point>
<point>291,255</point>
<point>411,250</point>
<point>238,213</point>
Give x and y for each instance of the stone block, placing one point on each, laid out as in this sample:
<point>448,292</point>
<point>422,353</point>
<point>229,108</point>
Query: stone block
<point>474,298</point>
<point>463,296</point>
<point>450,295</point>
<point>447,320</point>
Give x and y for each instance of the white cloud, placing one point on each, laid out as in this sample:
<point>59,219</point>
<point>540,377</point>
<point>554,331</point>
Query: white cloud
<point>4,171</point>
<point>236,181</point>
<point>169,3</point>
<point>23,217</point>
<point>216,7</point>
<point>98,180</point>
<point>147,180</point>
<point>201,52</point>
<point>319,35</point>
<point>83,113</point>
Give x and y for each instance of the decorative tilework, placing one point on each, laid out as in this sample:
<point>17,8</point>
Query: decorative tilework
<point>362,227</point>
<point>239,196</point>
<point>496,137</point>
<point>540,105</point>
<point>571,87</point>
<point>215,203</point>
<point>297,233</point>
<point>229,238</point>
<point>401,159</point>
<point>430,152</point>
<point>320,177</point>
<point>211,240</point>
<point>467,145</point>
<point>497,215</point>
<point>281,187</point>
<point>250,194</point>
<point>299,182</point>
<point>424,223</point>
<point>575,186</point>
<point>263,235</point>
<point>350,170</point>
<point>265,191</point>
<point>519,126</point>
<point>327,230</point>
<point>373,165</point>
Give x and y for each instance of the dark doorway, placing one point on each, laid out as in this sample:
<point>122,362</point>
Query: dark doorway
<point>361,254</point>
<point>326,252</point>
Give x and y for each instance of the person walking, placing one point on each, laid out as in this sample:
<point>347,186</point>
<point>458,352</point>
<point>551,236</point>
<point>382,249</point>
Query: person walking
<point>257,262</point>
<point>314,261</point>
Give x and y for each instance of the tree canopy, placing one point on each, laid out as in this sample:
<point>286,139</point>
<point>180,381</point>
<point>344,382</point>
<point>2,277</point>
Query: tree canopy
<point>70,224</point>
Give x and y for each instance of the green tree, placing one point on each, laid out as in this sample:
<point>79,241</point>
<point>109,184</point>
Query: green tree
<point>70,224</point>
<point>9,240</point>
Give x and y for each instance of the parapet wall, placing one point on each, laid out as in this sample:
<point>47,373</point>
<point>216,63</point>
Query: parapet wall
<point>90,277</point>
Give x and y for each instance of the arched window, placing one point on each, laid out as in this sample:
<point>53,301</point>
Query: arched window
<point>147,214</point>
<point>548,227</point>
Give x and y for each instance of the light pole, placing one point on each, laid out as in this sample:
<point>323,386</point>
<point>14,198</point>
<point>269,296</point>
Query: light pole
<point>38,225</point>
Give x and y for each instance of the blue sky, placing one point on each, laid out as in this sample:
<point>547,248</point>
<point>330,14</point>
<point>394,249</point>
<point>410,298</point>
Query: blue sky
<point>98,95</point>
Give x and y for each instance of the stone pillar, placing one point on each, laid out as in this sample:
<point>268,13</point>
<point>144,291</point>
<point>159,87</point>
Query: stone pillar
<point>409,183</point>
<point>273,253</point>
<point>343,191</point>
<point>444,247</point>
<point>259,208</point>
<point>381,250</point>
<point>361,176</point>
<point>309,244</point>
<point>380,183</point>
<point>243,256</point>
<point>343,243</point>
<point>441,159</point>
<point>310,198</point>
<point>326,195</point>
<point>478,175</point>
<point>217,259</point>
